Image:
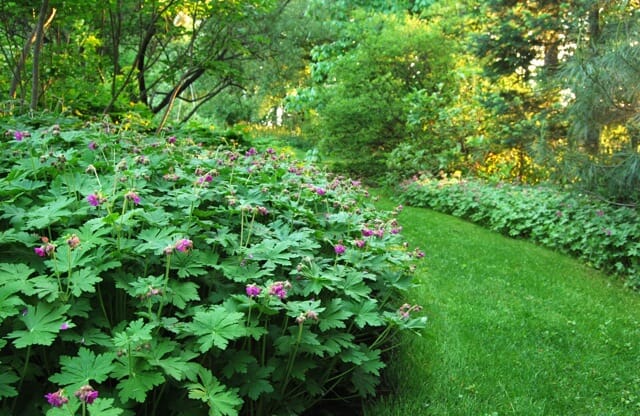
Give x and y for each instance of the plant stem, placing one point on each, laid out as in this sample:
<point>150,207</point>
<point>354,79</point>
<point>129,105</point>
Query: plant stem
<point>292,359</point>
<point>164,287</point>
<point>24,372</point>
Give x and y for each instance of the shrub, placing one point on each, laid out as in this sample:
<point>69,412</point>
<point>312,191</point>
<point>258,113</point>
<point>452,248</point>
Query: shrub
<point>605,236</point>
<point>140,273</point>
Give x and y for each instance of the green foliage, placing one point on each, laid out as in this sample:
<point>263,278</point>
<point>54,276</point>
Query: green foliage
<point>605,236</point>
<point>185,273</point>
<point>361,82</point>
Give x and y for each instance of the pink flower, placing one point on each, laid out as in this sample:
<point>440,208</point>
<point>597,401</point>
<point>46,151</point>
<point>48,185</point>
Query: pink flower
<point>64,326</point>
<point>320,191</point>
<point>171,140</point>
<point>40,251</point>
<point>366,232</point>
<point>86,394</point>
<point>184,245</point>
<point>253,290</point>
<point>339,249</point>
<point>279,289</point>
<point>56,399</point>
<point>132,196</point>
<point>95,199</point>
<point>92,145</point>
<point>360,243</point>
<point>73,241</point>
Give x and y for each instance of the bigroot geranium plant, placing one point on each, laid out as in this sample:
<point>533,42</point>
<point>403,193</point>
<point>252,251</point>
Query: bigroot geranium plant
<point>174,275</point>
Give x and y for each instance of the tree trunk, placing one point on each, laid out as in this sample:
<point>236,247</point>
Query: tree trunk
<point>35,72</point>
<point>594,23</point>
<point>592,139</point>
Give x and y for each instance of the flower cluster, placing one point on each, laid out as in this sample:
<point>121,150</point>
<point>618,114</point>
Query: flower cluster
<point>20,135</point>
<point>312,315</point>
<point>96,199</point>
<point>184,245</point>
<point>406,309</point>
<point>73,241</point>
<point>279,289</point>
<point>132,196</point>
<point>46,249</point>
<point>86,394</point>
<point>57,398</point>
<point>253,290</point>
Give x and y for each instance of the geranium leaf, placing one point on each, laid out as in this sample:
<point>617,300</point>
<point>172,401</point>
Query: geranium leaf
<point>222,400</point>
<point>182,292</point>
<point>216,327</point>
<point>156,239</point>
<point>104,407</point>
<point>83,280</point>
<point>43,323</point>
<point>334,315</point>
<point>137,385</point>
<point>366,313</point>
<point>83,368</point>
<point>7,378</point>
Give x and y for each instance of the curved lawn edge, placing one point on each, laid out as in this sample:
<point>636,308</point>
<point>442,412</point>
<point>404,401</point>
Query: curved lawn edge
<point>603,235</point>
<point>514,328</point>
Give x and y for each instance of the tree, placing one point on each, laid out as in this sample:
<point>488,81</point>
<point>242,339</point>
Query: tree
<point>361,79</point>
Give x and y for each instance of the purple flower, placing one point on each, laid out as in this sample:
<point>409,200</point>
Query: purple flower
<point>184,245</point>
<point>360,243</point>
<point>19,135</point>
<point>206,178</point>
<point>253,290</point>
<point>40,251</point>
<point>92,145</point>
<point>64,326</point>
<point>251,152</point>
<point>320,191</point>
<point>56,399</point>
<point>171,140</point>
<point>132,196</point>
<point>366,232</point>
<point>86,394</point>
<point>93,200</point>
<point>339,249</point>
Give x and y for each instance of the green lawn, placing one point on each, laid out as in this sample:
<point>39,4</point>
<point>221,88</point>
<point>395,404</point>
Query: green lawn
<point>514,329</point>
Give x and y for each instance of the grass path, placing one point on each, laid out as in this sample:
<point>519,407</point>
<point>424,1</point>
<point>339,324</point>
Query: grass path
<point>514,329</point>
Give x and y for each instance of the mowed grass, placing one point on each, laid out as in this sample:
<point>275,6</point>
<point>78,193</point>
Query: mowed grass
<point>514,329</point>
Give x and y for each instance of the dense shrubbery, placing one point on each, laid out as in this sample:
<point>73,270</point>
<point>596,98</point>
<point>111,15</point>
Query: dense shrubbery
<point>605,236</point>
<point>140,273</point>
